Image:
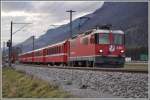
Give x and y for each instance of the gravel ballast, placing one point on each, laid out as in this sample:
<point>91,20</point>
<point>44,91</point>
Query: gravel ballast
<point>91,84</point>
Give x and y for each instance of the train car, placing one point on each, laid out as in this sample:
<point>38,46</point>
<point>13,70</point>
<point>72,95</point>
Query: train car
<point>38,56</point>
<point>14,57</point>
<point>52,54</point>
<point>97,47</point>
<point>57,53</point>
<point>26,57</point>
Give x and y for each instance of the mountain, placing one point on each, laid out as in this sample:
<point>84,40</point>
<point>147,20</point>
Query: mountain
<point>131,17</point>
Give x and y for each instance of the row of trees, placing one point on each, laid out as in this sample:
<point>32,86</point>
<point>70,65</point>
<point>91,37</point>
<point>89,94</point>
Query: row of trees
<point>135,53</point>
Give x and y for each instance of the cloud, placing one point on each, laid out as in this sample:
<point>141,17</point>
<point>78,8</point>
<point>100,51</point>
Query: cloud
<point>9,6</point>
<point>41,14</point>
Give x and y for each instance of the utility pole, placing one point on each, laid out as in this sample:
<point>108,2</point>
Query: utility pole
<point>70,11</point>
<point>10,42</point>
<point>10,47</point>
<point>3,53</point>
<point>21,48</point>
<point>4,48</point>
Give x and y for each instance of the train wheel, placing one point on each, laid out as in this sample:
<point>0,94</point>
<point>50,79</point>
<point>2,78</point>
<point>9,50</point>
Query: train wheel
<point>75,64</point>
<point>121,65</point>
<point>90,64</point>
<point>71,64</point>
<point>79,63</point>
<point>93,64</point>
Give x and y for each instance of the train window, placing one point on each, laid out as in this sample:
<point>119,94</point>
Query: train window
<point>118,39</point>
<point>41,53</point>
<point>92,39</point>
<point>62,48</point>
<point>47,52</point>
<point>36,53</point>
<point>51,50</point>
<point>55,50</point>
<point>104,38</point>
<point>85,41</point>
<point>73,43</point>
<point>59,49</point>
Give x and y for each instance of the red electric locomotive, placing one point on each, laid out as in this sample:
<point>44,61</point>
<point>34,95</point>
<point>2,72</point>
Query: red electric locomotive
<point>98,46</point>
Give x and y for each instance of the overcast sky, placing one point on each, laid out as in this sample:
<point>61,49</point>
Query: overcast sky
<point>41,15</point>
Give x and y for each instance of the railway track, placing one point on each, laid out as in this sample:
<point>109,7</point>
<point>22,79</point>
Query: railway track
<point>131,70</point>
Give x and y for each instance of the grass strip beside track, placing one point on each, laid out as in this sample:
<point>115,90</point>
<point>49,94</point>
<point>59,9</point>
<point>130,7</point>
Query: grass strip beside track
<point>17,84</point>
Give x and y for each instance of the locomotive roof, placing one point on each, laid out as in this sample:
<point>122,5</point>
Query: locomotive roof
<point>44,47</point>
<point>107,31</point>
<point>94,31</point>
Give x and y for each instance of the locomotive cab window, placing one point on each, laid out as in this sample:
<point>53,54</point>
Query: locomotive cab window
<point>92,39</point>
<point>103,38</point>
<point>85,41</point>
<point>118,39</point>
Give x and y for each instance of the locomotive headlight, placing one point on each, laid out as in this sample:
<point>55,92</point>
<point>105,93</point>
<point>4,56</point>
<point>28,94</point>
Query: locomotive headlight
<point>122,51</point>
<point>100,50</point>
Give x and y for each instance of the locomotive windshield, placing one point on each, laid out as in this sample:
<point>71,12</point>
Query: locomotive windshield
<point>104,38</point>
<point>118,39</point>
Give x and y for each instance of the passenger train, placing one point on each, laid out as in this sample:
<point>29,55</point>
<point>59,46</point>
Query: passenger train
<point>91,48</point>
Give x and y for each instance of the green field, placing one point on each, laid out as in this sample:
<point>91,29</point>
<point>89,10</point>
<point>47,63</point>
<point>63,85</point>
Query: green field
<point>19,85</point>
<point>136,66</point>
